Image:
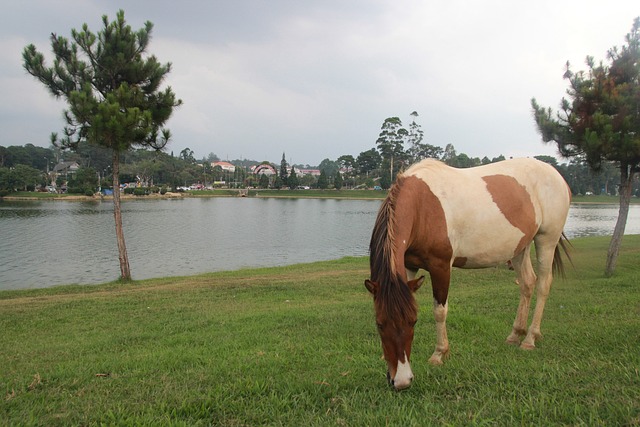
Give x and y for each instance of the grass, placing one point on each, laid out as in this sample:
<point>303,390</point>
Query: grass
<point>602,198</point>
<point>293,345</point>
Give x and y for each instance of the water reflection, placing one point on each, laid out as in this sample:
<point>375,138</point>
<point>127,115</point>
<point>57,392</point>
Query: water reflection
<point>52,242</point>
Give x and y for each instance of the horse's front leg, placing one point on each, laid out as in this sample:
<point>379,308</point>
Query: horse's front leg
<point>526,279</point>
<point>442,342</point>
<point>440,278</point>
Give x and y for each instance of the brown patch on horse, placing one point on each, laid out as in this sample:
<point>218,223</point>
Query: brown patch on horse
<point>515,203</point>
<point>427,239</point>
<point>459,261</point>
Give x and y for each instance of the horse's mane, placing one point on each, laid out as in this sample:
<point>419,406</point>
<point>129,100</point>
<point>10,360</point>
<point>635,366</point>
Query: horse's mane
<point>393,296</point>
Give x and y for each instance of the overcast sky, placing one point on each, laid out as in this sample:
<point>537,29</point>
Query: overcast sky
<point>316,79</point>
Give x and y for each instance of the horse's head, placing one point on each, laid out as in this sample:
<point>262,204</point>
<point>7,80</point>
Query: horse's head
<point>396,316</point>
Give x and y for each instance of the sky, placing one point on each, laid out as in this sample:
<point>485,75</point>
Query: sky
<point>316,79</point>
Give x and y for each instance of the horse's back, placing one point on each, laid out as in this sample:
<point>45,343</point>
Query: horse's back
<point>543,182</point>
<point>495,210</point>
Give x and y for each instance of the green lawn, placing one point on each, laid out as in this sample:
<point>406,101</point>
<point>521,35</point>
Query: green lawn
<point>602,199</point>
<point>298,346</point>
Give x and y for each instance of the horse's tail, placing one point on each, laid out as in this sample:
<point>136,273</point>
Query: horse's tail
<point>558,262</point>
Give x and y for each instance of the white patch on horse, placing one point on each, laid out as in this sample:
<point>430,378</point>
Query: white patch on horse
<point>404,375</point>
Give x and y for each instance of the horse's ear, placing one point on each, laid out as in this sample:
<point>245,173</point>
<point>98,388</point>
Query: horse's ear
<point>371,286</point>
<point>415,284</point>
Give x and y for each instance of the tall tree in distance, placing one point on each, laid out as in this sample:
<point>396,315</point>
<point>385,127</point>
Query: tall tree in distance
<point>415,137</point>
<point>390,144</point>
<point>284,175</point>
<point>112,88</point>
<point>292,180</point>
<point>368,161</point>
<point>601,122</point>
<point>418,150</point>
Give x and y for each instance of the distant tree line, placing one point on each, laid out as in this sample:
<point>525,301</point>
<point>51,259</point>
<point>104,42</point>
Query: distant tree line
<point>29,168</point>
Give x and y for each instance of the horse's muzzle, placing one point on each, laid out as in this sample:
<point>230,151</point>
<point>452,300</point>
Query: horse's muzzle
<point>392,383</point>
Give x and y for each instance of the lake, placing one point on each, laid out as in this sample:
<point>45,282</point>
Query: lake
<point>47,243</point>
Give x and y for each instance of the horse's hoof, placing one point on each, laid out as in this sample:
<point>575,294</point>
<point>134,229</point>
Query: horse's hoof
<point>435,360</point>
<point>527,346</point>
<point>513,340</point>
<point>438,358</point>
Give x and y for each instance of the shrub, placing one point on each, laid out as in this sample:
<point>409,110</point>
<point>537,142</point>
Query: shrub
<point>88,192</point>
<point>129,190</point>
<point>140,191</point>
<point>163,190</point>
<point>75,190</point>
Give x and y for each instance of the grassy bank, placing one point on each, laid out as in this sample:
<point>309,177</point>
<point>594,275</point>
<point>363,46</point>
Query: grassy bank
<point>298,345</point>
<point>602,199</point>
<point>318,194</point>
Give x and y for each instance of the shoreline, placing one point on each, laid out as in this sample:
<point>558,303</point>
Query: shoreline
<point>263,194</point>
<point>286,194</point>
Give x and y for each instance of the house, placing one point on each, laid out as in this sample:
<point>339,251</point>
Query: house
<point>312,172</point>
<point>225,166</point>
<point>65,168</point>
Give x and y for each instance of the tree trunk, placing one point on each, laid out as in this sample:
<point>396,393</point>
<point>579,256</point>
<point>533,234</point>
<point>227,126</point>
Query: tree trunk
<point>125,273</point>
<point>621,223</point>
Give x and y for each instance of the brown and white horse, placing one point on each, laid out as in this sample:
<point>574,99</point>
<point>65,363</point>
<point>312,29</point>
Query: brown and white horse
<point>437,217</point>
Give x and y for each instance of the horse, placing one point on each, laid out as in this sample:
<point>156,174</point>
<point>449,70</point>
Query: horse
<point>437,217</point>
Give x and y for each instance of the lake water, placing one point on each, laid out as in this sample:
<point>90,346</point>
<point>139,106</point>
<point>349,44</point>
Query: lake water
<point>47,243</point>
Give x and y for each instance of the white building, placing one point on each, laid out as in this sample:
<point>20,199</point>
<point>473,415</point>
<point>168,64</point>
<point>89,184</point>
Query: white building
<point>226,166</point>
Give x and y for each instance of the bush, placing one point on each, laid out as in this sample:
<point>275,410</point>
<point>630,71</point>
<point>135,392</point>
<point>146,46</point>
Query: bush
<point>88,192</point>
<point>4,193</point>
<point>129,190</point>
<point>140,191</point>
<point>75,190</point>
<point>163,190</point>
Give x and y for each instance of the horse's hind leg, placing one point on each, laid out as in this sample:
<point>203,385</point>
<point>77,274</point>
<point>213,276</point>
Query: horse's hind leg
<point>526,278</point>
<point>545,249</point>
<point>440,278</point>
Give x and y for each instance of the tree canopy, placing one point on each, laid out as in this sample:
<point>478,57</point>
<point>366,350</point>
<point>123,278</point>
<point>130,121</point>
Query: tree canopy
<point>111,88</point>
<point>600,121</point>
<point>601,117</point>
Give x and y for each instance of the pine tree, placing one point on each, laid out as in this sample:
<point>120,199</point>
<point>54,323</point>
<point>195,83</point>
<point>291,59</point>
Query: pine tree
<point>601,122</point>
<point>338,181</point>
<point>292,181</point>
<point>283,172</point>
<point>323,182</point>
<point>112,88</point>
